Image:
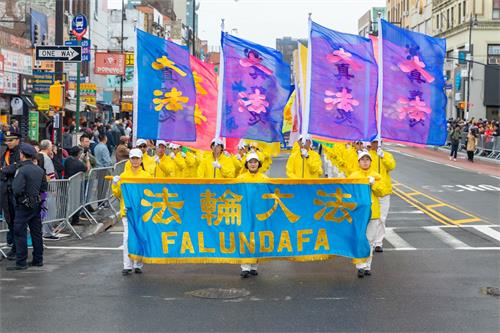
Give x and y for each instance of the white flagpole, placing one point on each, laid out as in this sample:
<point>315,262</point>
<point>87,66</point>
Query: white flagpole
<point>221,86</point>
<point>307,109</point>
<point>136,93</point>
<point>380,79</point>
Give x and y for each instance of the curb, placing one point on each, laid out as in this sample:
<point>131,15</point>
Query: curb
<point>462,154</point>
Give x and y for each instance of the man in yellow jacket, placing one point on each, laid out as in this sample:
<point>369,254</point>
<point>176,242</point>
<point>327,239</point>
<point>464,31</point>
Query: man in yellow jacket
<point>164,166</point>
<point>192,162</point>
<point>178,157</point>
<point>363,266</point>
<point>136,171</point>
<point>215,164</point>
<point>304,162</point>
<point>252,173</point>
<point>383,163</point>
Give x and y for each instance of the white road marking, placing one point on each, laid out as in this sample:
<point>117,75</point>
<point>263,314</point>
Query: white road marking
<point>407,212</point>
<point>84,248</point>
<point>446,237</point>
<point>396,240</point>
<point>489,231</point>
<point>485,248</point>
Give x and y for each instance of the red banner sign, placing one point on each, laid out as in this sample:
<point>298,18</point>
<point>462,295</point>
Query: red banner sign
<point>109,63</point>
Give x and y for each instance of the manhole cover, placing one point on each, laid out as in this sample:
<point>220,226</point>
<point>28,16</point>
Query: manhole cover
<point>219,293</point>
<point>491,291</point>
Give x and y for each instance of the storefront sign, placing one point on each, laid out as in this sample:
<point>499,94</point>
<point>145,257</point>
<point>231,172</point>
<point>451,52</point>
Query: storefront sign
<point>109,63</point>
<point>34,126</point>
<point>42,82</point>
<point>113,81</point>
<point>16,62</point>
<point>88,93</point>
<point>9,83</point>
<point>42,101</point>
<point>25,84</point>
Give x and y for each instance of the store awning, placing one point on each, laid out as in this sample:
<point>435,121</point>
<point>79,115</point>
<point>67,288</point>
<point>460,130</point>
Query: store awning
<point>28,101</point>
<point>72,107</point>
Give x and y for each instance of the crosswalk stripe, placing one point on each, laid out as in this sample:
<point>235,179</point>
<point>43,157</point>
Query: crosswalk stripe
<point>446,237</point>
<point>396,240</point>
<point>488,231</point>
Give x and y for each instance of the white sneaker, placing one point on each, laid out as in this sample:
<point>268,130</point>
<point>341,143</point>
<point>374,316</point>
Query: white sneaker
<point>455,159</point>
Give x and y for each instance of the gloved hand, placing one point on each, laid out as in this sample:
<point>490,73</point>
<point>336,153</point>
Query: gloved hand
<point>304,152</point>
<point>157,159</point>
<point>380,152</point>
<point>116,179</point>
<point>238,157</point>
<point>371,180</point>
<point>226,153</point>
<point>183,154</point>
<point>216,164</point>
<point>172,155</point>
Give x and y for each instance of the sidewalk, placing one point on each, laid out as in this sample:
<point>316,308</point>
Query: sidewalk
<point>481,165</point>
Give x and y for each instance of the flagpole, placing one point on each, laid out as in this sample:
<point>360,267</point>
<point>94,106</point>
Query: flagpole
<point>306,110</point>
<point>136,93</point>
<point>221,85</point>
<point>380,79</point>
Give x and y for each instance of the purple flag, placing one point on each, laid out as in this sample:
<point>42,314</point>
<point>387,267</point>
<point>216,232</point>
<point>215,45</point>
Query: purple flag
<point>343,85</point>
<point>166,93</point>
<point>256,87</point>
<point>414,103</point>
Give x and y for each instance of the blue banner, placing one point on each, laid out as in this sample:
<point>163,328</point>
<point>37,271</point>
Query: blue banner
<point>226,221</point>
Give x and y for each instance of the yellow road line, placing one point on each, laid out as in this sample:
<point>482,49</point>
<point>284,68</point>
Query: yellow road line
<point>429,209</point>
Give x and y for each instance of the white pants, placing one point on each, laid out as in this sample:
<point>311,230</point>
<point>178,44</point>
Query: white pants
<point>127,262</point>
<point>371,232</point>
<point>385,203</point>
<point>249,267</point>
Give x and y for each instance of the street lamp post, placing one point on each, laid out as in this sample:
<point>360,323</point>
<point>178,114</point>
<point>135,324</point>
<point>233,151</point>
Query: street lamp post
<point>472,22</point>
<point>194,28</point>
<point>121,54</point>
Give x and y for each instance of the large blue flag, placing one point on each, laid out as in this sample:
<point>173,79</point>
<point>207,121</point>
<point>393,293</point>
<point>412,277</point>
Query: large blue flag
<point>343,85</point>
<point>165,90</point>
<point>256,86</point>
<point>413,98</point>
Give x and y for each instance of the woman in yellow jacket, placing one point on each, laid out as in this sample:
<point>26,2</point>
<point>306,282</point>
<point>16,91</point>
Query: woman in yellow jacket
<point>215,164</point>
<point>178,157</point>
<point>305,162</point>
<point>148,162</point>
<point>363,266</point>
<point>164,166</point>
<point>239,159</point>
<point>252,173</point>
<point>136,171</point>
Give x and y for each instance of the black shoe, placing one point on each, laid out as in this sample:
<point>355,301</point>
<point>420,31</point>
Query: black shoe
<point>138,270</point>
<point>368,272</point>
<point>11,255</point>
<point>254,272</point>
<point>361,273</point>
<point>51,238</point>
<point>36,264</point>
<point>379,249</point>
<point>126,272</point>
<point>245,274</point>
<point>17,268</point>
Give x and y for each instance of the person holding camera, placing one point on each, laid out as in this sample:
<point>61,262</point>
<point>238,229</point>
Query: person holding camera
<point>28,184</point>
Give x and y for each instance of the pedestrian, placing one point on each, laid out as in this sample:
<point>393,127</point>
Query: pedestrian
<point>136,171</point>
<point>67,139</point>
<point>87,154</point>
<point>101,152</point>
<point>363,266</point>
<point>252,173</point>
<point>47,152</point>
<point>73,165</point>
<point>383,163</point>
<point>455,136</point>
<point>304,162</point>
<point>29,182</point>
<point>122,151</point>
<point>215,164</point>
<point>471,144</point>
<point>9,160</point>
<point>14,127</point>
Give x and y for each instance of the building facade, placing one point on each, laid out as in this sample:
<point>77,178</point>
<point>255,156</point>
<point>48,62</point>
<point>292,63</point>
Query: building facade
<point>368,23</point>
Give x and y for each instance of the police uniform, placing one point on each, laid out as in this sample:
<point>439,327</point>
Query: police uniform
<point>9,160</point>
<point>29,182</point>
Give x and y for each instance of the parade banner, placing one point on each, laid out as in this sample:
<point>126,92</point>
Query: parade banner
<point>227,221</point>
<point>412,90</point>
<point>205,114</point>
<point>165,90</point>
<point>256,86</point>
<point>343,87</point>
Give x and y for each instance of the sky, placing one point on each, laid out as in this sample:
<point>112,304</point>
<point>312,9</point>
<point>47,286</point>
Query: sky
<point>262,21</point>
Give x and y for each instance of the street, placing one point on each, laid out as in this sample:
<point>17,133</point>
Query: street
<point>440,255</point>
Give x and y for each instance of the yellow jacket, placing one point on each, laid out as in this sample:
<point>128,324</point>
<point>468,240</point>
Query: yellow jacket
<point>376,189</point>
<point>239,164</point>
<point>207,170</point>
<point>191,165</point>
<point>257,177</point>
<point>165,168</point>
<point>383,166</point>
<point>298,167</point>
<point>147,161</point>
<point>179,165</point>
<point>117,190</point>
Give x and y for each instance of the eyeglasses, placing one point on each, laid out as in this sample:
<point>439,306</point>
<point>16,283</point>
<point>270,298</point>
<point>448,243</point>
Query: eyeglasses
<point>142,146</point>
<point>9,140</point>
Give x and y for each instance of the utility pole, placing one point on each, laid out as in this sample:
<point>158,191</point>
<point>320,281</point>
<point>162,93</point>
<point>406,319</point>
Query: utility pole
<point>469,65</point>
<point>121,54</point>
<point>59,65</point>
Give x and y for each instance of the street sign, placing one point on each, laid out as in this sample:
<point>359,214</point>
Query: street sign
<point>462,57</point>
<point>85,44</point>
<point>79,26</point>
<point>59,53</point>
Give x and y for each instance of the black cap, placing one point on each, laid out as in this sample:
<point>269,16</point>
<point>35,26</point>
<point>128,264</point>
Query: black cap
<point>28,150</point>
<point>73,151</point>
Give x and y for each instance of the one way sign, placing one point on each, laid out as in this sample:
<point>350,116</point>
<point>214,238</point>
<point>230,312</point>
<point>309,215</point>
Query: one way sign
<point>59,53</point>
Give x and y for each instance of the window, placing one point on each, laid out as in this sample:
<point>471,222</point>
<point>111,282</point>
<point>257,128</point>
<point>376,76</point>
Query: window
<point>459,13</point>
<point>437,21</point>
<point>494,54</point>
<point>452,15</point>
<point>496,9</point>
<point>448,18</point>
<point>463,9</point>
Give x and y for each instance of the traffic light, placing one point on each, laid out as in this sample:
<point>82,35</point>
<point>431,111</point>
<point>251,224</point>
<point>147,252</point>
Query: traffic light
<point>56,95</point>
<point>36,35</point>
<point>461,105</point>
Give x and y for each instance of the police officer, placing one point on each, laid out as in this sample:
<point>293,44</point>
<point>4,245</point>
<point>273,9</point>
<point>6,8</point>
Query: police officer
<point>9,159</point>
<point>29,181</point>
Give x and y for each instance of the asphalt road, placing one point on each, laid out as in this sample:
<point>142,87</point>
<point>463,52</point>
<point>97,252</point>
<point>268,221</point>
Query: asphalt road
<point>428,279</point>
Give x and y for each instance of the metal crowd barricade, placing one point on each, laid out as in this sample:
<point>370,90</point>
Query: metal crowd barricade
<point>4,228</point>
<point>495,150</point>
<point>56,202</point>
<point>97,189</point>
<point>117,170</point>
<point>76,198</point>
